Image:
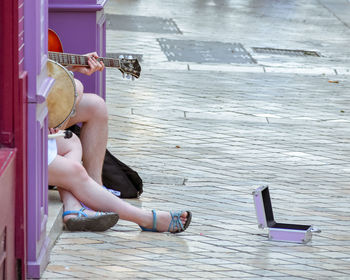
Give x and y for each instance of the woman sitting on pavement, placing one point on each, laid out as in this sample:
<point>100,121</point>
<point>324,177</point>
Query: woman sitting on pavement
<point>75,185</point>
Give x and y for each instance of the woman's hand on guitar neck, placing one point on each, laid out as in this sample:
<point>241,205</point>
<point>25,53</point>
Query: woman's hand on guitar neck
<point>94,65</point>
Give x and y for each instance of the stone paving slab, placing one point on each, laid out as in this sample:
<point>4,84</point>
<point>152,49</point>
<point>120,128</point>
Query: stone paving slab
<point>203,136</point>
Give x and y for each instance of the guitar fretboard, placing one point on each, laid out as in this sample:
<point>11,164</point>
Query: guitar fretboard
<point>81,60</point>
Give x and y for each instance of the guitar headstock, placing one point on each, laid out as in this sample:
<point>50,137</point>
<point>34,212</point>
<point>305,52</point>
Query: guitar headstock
<point>130,66</point>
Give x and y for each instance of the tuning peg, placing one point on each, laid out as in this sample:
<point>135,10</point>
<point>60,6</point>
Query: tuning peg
<point>128,76</point>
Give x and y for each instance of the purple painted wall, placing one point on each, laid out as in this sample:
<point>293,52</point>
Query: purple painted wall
<point>35,56</point>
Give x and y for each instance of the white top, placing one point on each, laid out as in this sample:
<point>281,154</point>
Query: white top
<point>51,150</point>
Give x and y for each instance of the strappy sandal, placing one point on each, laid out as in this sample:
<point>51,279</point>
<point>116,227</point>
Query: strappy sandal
<point>175,225</point>
<point>100,222</point>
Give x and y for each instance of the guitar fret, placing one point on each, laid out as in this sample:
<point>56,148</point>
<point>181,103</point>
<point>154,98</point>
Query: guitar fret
<point>115,62</point>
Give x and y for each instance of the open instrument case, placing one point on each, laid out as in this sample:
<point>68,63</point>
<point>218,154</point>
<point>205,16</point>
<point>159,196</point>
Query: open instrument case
<point>278,231</point>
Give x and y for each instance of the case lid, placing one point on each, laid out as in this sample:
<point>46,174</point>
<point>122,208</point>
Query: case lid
<point>263,207</point>
<point>264,212</point>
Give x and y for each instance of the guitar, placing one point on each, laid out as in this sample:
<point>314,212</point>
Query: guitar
<point>128,66</point>
<point>62,97</point>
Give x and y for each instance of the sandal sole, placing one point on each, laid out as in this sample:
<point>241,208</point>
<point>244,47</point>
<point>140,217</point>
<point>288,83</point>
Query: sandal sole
<point>95,223</point>
<point>188,221</point>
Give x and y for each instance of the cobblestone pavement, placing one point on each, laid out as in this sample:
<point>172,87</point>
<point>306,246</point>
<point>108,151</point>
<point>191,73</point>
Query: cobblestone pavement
<point>203,133</point>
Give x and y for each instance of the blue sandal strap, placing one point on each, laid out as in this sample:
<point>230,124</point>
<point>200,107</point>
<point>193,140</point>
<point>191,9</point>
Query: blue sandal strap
<point>80,212</point>
<point>154,227</point>
<point>176,224</point>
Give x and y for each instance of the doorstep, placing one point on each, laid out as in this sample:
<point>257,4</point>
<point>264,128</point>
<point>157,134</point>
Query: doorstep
<point>54,225</point>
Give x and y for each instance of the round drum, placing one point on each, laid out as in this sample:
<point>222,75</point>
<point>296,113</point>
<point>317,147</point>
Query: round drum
<point>62,96</point>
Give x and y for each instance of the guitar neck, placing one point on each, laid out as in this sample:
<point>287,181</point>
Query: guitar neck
<point>81,60</point>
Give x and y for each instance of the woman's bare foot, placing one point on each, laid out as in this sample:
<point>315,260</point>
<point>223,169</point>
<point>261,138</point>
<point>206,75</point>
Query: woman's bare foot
<point>173,222</point>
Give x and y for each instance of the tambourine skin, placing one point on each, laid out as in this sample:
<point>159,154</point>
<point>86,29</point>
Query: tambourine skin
<point>62,96</point>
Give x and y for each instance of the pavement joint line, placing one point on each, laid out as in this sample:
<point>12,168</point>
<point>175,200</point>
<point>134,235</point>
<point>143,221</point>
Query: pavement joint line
<point>249,69</point>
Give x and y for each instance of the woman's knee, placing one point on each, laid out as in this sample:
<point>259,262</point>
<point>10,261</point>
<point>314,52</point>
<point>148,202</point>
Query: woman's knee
<point>74,142</point>
<point>65,146</point>
<point>79,86</point>
<point>68,174</point>
<point>99,107</point>
<point>77,174</point>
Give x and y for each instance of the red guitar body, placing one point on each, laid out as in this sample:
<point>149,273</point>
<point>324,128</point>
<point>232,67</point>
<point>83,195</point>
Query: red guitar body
<point>54,42</point>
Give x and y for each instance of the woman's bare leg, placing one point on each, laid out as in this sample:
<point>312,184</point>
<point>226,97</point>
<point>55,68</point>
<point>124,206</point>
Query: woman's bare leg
<point>70,149</point>
<point>92,112</point>
<point>71,176</point>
